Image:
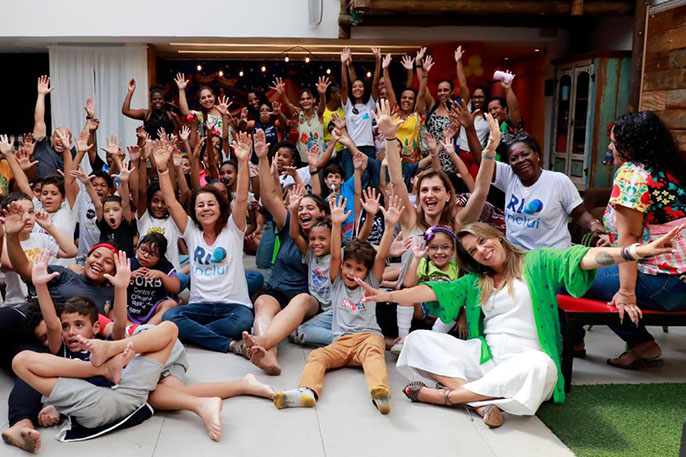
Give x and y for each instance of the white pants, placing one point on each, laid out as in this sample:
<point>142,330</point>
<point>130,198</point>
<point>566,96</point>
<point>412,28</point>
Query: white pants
<point>520,375</point>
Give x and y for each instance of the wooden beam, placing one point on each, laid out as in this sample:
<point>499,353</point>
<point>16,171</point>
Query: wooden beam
<point>428,20</point>
<point>577,7</point>
<point>637,54</point>
<point>501,7</point>
<point>343,23</point>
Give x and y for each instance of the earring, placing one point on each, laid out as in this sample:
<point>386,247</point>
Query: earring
<point>500,238</point>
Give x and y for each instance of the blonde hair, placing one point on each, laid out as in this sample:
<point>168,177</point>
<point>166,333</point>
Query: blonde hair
<point>514,258</point>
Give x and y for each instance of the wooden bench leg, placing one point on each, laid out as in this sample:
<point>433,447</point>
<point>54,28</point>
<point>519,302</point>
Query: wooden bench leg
<point>568,351</point>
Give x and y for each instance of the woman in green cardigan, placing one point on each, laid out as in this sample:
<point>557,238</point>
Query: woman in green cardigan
<point>511,360</point>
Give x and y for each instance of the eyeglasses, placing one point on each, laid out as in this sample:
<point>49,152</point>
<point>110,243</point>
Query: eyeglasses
<point>148,252</point>
<point>434,248</point>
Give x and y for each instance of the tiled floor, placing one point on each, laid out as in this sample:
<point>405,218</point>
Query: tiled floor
<point>344,422</point>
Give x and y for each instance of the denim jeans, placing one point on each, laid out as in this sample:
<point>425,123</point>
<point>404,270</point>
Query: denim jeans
<point>211,325</point>
<point>265,250</point>
<point>371,176</point>
<point>661,292</point>
<point>316,331</point>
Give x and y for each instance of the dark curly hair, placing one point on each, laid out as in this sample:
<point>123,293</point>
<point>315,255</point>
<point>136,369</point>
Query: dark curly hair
<point>643,138</point>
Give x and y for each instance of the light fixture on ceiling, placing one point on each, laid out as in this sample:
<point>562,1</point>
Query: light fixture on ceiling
<point>307,59</point>
<point>240,73</point>
<point>221,73</point>
<point>369,74</point>
<point>537,50</point>
<point>264,68</point>
<point>199,67</point>
<point>328,71</point>
<point>286,59</point>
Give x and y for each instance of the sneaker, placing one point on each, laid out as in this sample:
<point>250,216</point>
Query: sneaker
<point>381,397</point>
<point>397,347</point>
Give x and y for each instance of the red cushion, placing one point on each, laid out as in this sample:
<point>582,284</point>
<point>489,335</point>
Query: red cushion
<point>586,305</point>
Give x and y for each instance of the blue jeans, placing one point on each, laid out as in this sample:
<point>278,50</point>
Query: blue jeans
<point>255,281</point>
<point>265,251</point>
<point>316,331</point>
<point>211,325</point>
<point>661,292</point>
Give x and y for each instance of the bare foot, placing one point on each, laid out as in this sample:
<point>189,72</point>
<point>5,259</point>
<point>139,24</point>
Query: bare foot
<point>210,411</point>
<point>116,364</point>
<point>48,417</point>
<point>101,351</point>
<point>250,340</point>
<point>265,360</point>
<point>254,387</point>
<point>23,436</point>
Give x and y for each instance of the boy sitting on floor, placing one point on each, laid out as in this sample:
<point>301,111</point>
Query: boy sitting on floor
<point>357,336</point>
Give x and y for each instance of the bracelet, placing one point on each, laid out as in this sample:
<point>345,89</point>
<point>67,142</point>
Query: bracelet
<point>390,297</point>
<point>162,172</point>
<point>391,139</point>
<point>89,117</point>
<point>634,252</point>
<point>312,173</point>
<point>625,254</point>
<point>594,221</point>
<point>488,156</point>
<point>626,294</point>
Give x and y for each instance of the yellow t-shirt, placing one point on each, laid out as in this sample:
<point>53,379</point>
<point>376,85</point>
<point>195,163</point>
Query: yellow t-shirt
<point>6,177</point>
<point>408,134</point>
<point>327,119</point>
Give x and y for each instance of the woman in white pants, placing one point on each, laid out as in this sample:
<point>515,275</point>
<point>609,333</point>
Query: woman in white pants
<point>511,359</point>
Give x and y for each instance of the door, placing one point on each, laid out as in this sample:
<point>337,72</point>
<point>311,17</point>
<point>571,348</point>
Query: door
<point>577,168</point>
<point>562,120</point>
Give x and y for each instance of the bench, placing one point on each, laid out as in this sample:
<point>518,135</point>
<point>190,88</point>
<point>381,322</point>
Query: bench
<point>583,311</point>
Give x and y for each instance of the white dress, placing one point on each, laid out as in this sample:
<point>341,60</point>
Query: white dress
<point>520,375</point>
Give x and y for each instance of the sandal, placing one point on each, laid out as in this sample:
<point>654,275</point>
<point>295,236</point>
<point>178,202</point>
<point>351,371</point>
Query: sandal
<point>636,364</point>
<point>238,348</point>
<point>492,416</point>
<point>411,390</point>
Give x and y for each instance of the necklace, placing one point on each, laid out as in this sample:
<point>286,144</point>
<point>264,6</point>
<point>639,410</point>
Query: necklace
<point>158,115</point>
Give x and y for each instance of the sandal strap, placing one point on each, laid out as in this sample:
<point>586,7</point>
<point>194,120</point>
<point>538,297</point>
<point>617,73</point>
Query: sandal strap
<point>411,390</point>
<point>446,398</point>
<point>239,348</point>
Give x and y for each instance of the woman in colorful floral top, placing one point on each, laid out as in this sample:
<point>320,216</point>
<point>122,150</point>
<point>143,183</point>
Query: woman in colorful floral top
<point>511,358</point>
<point>648,199</point>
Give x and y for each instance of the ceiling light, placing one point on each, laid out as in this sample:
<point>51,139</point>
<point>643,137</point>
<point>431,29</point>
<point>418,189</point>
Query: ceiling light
<point>240,73</point>
<point>307,59</point>
<point>263,68</point>
<point>221,73</point>
<point>199,67</point>
<point>286,59</point>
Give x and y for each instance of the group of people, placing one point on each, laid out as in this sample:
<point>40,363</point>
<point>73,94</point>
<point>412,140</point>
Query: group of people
<point>106,273</point>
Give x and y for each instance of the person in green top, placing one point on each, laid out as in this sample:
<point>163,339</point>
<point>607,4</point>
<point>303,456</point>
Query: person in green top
<point>511,359</point>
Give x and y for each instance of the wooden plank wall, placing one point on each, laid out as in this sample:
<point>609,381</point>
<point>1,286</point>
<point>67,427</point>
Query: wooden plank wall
<point>664,78</point>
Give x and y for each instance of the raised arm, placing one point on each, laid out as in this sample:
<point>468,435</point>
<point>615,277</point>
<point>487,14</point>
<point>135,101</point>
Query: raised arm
<point>41,278</point>
<point>475,204</point>
<point>346,62</point>
<point>20,179</point>
<point>512,102</point>
<point>39,128</point>
<point>322,85</point>
<point>71,187</point>
<point>126,107</point>
<point>270,199</point>
<point>448,144</point>
<point>461,78</point>
<point>181,83</point>
<point>280,87</point>
<point>338,217</point>
<point>390,93</point>
<point>377,74</point>
<point>120,281</point>
<point>408,65</point>
<point>294,200</point>
<point>15,220</point>
<point>391,216</point>
<point>65,243</point>
<point>313,165</point>
<point>242,149</point>
<point>86,181</point>
<point>418,253</point>
<point>371,205</point>
<point>162,151</point>
<point>124,176</point>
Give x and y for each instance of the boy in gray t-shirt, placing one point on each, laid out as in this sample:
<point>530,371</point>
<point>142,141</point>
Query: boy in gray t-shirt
<point>358,339</point>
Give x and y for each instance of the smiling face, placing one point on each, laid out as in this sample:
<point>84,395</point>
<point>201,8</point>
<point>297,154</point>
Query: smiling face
<point>320,240</point>
<point>185,165</point>
<point>227,173</point>
<point>253,101</point>
<point>284,158</point>
<point>306,100</point>
<point>51,198</point>
<point>444,91</point>
<point>113,213</point>
<point>441,249</point>
<point>308,213</point>
<point>157,100</point>
<point>358,90</point>
<point>55,139</point>
<point>158,207</point>
<point>265,113</point>
<point>99,263</point>
<point>206,98</point>
<point>497,111</point>
<point>478,99</point>
<point>525,163</point>
<point>74,324</point>
<point>351,269</point>
<point>433,196</point>
<point>487,251</point>
<point>207,209</point>
<point>407,101</point>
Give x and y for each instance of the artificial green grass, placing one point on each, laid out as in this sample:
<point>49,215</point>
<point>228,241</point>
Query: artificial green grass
<point>613,420</point>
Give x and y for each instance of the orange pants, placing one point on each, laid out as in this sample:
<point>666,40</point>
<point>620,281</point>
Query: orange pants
<point>360,349</point>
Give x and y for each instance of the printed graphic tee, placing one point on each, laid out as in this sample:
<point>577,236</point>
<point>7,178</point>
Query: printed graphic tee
<point>350,315</point>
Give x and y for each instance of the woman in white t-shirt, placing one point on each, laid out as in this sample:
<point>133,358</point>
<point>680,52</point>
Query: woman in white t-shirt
<point>155,218</point>
<point>219,308</point>
<point>358,103</point>
<point>539,202</point>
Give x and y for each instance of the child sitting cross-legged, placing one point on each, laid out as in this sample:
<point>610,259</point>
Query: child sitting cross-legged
<point>357,336</point>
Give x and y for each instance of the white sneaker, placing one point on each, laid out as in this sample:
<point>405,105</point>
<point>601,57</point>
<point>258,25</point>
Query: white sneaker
<point>397,347</point>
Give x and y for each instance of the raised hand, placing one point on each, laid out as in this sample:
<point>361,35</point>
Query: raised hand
<point>377,52</point>
<point>323,84</point>
<point>125,174</point>
<point>140,131</point>
<point>279,86</point>
<point>44,85</point>
<point>431,141</point>
<point>420,55</point>
<point>123,276</point>
<point>346,56</point>
<point>359,161</point>
<point>176,157</point>
<point>132,85</point>
<point>185,133</point>
<point>261,146</point>
<point>290,171</point>
<point>43,219</point>
<point>428,64</point>
<point>15,218</point>
<point>419,248</point>
<point>399,246</point>
<point>29,144</point>
<point>5,146</point>
<point>198,147</point>
<point>81,175</point>
<point>387,61</point>
<point>276,108</point>
<point>82,142</point>
<point>181,81</point>
<point>507,85</point>
<point>93,124</point>
<point>458,54</point>
<point>113,146</point>
<point>294,198</point>
<point>338,213</point>
<point>243,146</point>
<point>408,62</point>
<point>313,156</point>
<point>494,135</point>
<point>211,123</point>
<point>448,145</point>
<point>162,153</point>
<point>460,112</point>
<point>39,272</point>
<point>90,107</point>
<point>370,201</point>
<point>223,105</point>
<point>337,121</point>
<point>387,126</point>
<point>395,209</point>
<point>64,139</point>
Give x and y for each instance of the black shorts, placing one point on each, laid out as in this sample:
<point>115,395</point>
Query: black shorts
<point>283,297</point>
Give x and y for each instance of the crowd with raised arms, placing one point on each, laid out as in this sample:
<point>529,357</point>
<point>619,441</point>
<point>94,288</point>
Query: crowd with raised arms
<point>382,217</point>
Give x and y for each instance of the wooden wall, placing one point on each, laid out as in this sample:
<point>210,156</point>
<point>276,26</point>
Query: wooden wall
<point>664,73</point>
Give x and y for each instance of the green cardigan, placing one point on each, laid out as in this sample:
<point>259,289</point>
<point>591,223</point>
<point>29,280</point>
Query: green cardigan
<point>545,271</point>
